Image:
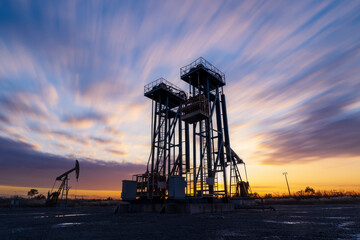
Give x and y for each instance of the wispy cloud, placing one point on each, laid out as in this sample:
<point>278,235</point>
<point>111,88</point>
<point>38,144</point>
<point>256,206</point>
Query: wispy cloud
<point>327,132</point>
<point>104,141</point>
<point>86,120</point>
<point>76,68</point>
<point>116,152</point>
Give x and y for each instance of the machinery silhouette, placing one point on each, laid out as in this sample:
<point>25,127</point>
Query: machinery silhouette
<point>191,156</point>
<point>53,197</point>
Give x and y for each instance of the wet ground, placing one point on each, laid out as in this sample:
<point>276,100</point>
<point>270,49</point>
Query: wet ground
<point>287,222</point>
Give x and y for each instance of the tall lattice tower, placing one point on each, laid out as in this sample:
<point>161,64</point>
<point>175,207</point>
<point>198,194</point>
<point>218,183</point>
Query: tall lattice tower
<point>205,110</point>
<point>165,159</point>
<point>190,153</point>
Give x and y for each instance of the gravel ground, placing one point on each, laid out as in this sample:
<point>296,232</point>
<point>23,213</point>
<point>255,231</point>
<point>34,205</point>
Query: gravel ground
<point>287,222</point>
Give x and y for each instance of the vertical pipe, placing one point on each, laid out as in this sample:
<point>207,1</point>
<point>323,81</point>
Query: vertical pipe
<point>187,147</point>
<point>152,147</point>
<point>67,190</point>
<point>172,146</point>
<point>165,136</point>
<point>194,157</point>
<point>219,128</point>
<point>201,156</point>
<point>208,141</point>
<point>180,145</point>
<point>226,129</point>
<point>230,186</point>
<point>220,139</point>
<point>158,137</point>
<point>158,148</point>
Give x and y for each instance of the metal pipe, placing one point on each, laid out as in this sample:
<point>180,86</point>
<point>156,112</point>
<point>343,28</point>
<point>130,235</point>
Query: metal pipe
<point>180,145</point>
<point>187,147</point>
<point>194,157</point>
<point>226,129</point>
<point>201,156</point>
<point>208,141</point>
<point>220,139</point>
<point>165,136</point>
<point>153,148</point>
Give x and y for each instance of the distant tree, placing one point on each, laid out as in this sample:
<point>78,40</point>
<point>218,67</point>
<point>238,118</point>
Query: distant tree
<point>318,194</point>
<point>309,191</point>
<point>109,199</point>
<point>300,193</point>
<point>255,195</point>
<point>268,195</point>
<point>39,197</point>
<point>33,192</point>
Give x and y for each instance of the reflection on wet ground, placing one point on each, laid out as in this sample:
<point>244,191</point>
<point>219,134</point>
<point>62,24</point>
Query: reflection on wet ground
<point>71,224</point>
<point>287,222</point>
<point>61,215</point>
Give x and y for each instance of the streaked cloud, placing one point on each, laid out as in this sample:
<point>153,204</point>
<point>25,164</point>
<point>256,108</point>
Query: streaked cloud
<point>116,152</point>
<point>327,132</point>
<point>86,120</point>
<point>104,141</point>
<point>72,75</point>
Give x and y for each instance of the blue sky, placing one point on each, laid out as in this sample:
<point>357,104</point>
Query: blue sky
<point>72,76</point>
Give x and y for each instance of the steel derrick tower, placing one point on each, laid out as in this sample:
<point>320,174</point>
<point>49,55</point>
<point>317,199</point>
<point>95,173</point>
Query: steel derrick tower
<point>191,156</point>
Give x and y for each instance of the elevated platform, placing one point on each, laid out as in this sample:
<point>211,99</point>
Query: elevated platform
<point>159,89</point>
<point>195,109</point>
<point>199,71</point>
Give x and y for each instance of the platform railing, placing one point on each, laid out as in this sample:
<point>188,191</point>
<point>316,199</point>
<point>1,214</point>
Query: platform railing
<point>166,85</point>
<point>211,69</point>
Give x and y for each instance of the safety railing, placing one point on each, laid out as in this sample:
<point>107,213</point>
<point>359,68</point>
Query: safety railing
<point>166,85</point>
<point>199,102</point>
<point>201,62</point>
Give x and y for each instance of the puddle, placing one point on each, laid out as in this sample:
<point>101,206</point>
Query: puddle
<point>337,208</point>
<point>301,212</point>
<point>41,216</point>
<point>295,222</point>
<point>32,213</point>
<point>345,224</point>
<point>71,215</point>
<point>71,224</point>
<point>20,229</point>
<point>226,234</point>
<point>287,222</point>
<point>337,218</point>
<point>356,236</point>
<point>63,215</point>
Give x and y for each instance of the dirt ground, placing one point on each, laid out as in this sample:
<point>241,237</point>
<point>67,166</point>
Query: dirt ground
<point>338,221</point>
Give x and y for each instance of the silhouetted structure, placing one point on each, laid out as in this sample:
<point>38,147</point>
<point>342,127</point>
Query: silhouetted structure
<point>191,156</point>
<point>287,183</point>
<point>64,188</point>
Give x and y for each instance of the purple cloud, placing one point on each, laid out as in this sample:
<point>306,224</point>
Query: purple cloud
<point>23,165</point>
<point>327,132</point>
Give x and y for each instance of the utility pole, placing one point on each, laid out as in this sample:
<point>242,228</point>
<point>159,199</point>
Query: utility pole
<point>285,174</point>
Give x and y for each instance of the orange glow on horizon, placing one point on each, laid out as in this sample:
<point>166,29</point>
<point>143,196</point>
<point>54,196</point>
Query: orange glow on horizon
<point>9,191</point>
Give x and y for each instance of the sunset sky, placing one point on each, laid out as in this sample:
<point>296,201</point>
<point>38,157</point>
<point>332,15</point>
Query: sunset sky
<point>72,76</point>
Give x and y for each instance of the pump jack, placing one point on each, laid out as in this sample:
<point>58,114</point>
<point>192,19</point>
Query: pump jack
<point>64,188</point>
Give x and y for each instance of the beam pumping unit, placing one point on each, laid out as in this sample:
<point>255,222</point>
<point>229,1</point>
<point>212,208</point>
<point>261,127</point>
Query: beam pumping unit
<point>191,156</point>
<point>63,190</point>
